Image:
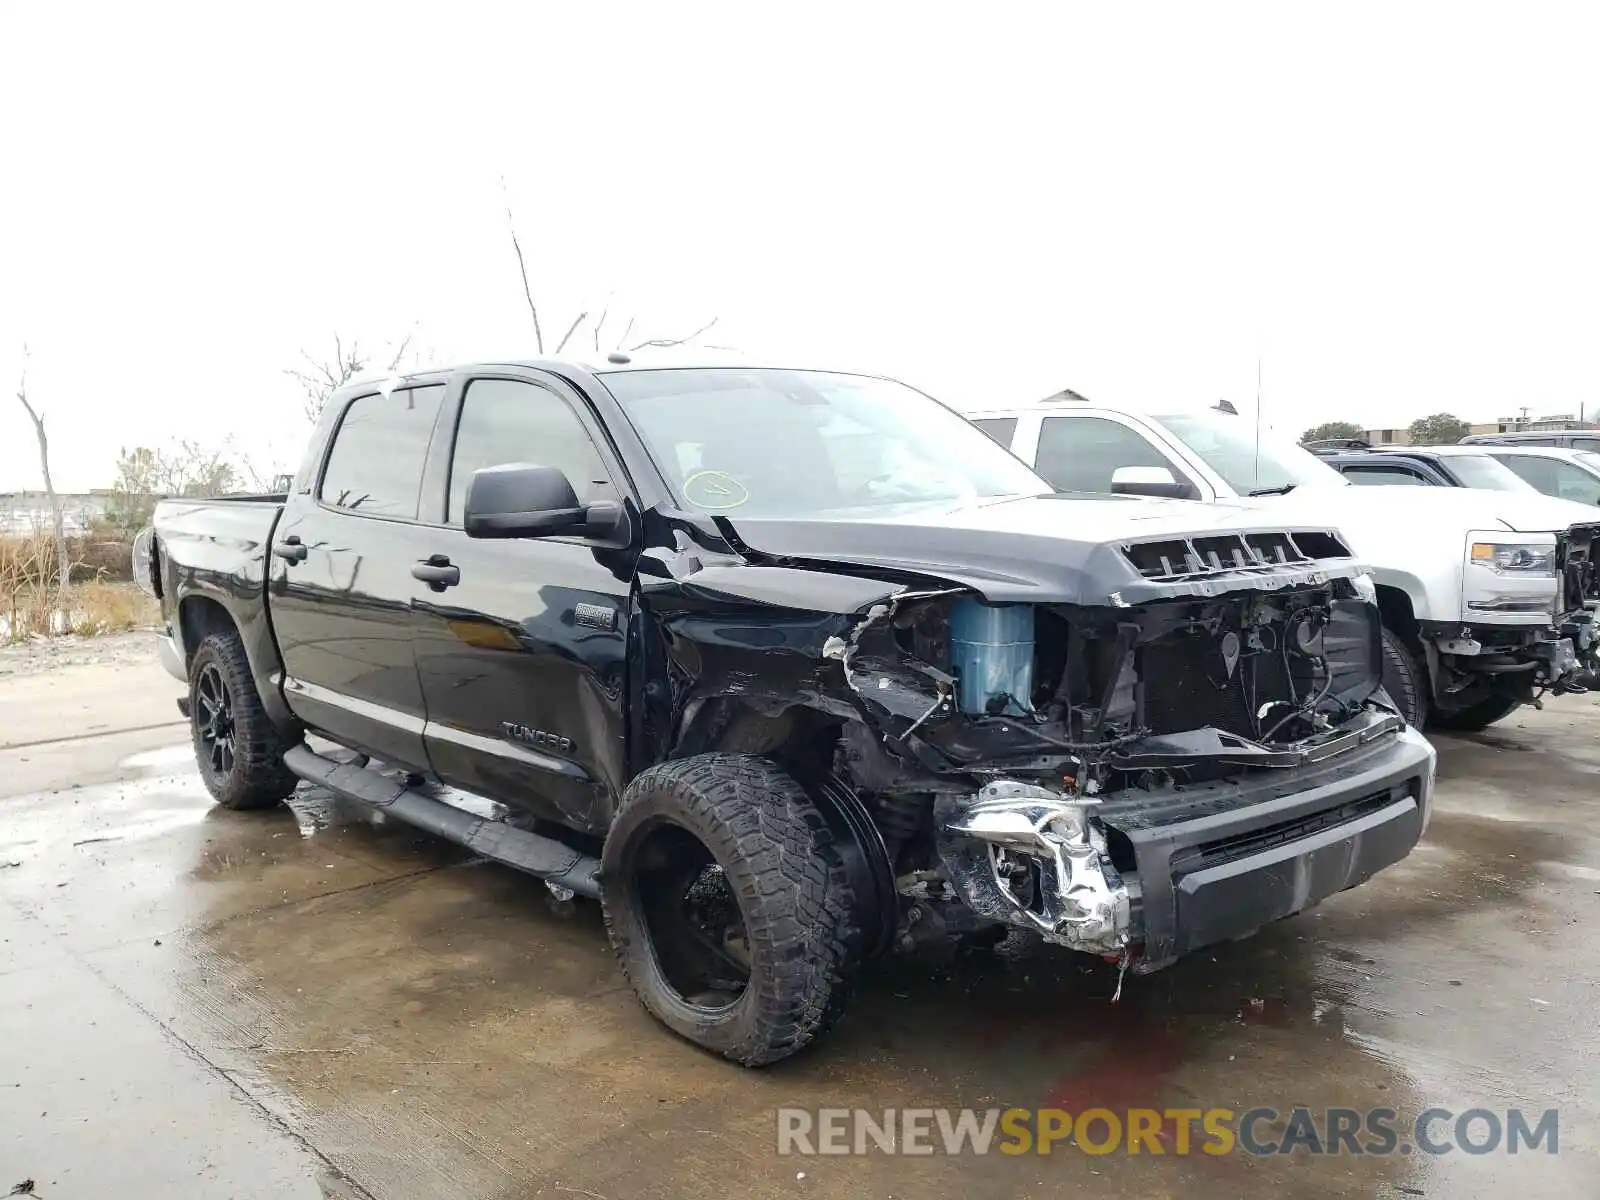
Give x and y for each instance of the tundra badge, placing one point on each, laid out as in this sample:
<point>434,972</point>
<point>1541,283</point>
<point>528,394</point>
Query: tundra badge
<point>595,616</point>
<point>537,737</point>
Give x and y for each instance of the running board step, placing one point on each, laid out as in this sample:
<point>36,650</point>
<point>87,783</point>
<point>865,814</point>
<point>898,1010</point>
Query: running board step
<point>559,865</point>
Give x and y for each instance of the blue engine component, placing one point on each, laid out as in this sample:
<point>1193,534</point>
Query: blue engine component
<point>991,649</point>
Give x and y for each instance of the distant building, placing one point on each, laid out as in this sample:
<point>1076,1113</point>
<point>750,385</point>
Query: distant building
<point>1402,437</point>
<point>25,512</point>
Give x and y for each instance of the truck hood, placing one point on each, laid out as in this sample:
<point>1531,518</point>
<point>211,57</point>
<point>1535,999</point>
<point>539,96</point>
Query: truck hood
<point>1071,549</point>
<point>1356,509</point>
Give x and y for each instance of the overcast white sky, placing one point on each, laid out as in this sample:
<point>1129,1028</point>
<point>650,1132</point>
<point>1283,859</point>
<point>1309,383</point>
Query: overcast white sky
<point>1397,205</point>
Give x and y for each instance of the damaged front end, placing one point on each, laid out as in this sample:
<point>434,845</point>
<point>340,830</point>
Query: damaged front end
<point>1129,747</point>
<point>1012,725</point>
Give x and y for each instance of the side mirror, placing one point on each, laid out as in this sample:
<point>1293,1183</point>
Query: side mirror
<point>1149,481</point>
<point>522,501</point>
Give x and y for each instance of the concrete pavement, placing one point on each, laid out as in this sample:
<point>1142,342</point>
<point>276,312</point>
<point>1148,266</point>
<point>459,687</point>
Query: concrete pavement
<point>313,1002</point>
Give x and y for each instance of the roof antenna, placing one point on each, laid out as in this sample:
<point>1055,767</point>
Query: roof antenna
<point>1257,475</point>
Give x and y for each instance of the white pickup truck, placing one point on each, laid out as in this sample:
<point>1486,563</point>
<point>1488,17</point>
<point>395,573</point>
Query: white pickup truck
<point>1487,597</point>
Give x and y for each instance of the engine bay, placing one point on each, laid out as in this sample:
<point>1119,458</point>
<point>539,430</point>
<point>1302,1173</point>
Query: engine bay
<point>1091,700</point>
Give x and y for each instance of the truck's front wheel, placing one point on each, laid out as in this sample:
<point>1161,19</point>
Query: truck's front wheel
<point>239,751</point>
<point>1404,679</point>
<point>1477,716</point>
<point>729,906</point>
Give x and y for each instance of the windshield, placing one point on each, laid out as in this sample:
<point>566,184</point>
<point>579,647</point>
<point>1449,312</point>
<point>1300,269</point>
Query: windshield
<point>1228,445</point>
<point>1589,459</point>
<point>1481,471</point>
<point>773,443</point>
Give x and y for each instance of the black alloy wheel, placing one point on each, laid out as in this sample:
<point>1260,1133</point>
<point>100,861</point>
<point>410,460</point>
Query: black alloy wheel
<point>214,720</point>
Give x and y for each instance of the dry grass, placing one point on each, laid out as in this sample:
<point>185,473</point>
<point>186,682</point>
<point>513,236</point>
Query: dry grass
<point>111,608</point>
<point>30,602</point>
<point>27,584</point>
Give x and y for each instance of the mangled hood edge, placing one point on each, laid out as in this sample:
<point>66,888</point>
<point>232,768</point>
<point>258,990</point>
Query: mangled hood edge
<point>1003,567</point>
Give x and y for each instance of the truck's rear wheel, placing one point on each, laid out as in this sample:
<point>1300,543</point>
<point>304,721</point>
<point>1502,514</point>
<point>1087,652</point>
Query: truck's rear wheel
<point>239,751</point>
<point>1475,717</point>
<point>1404,679</point>
<point>729,906</point>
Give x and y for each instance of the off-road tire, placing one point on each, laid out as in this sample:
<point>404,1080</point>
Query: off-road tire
<point>257,777</point>
<point>779,858</point>
<point>1405,680</point>
<point>1475,717</point>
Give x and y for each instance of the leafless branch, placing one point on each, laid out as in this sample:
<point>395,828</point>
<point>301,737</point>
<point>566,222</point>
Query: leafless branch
<point>571,329</point>
<point>522,267</point>
<point>601,323</point>
<point>22,394</point>
<point>666,342</point>
<point>63,562</point>
<point>320,378</point>
<point>625,333</point>
<point>400,350</point>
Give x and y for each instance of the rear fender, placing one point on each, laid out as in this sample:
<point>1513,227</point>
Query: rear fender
<point>212,563</point>
<point>205,611</point>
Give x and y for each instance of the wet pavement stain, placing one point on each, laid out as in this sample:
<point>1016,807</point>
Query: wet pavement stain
<point>431,1026</point>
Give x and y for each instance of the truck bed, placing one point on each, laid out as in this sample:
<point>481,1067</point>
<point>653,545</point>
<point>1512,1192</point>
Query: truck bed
<point>227,537</point>
<point>214,554</point>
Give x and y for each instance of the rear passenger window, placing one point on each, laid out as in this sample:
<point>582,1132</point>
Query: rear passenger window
<point>1001,429</point>
<point>1536,470</point>
<point>375,466</point>
<point>508,421</point>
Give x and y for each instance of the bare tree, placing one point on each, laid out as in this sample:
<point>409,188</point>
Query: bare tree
<point>683,341</point>
<point>533,308</point>
<point>571,329</point>
<point>522,269</point>
<point>63,560</point>
<point>320,378</point>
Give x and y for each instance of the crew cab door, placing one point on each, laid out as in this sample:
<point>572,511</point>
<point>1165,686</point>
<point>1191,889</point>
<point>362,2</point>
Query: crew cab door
<point>341,585</point>
<point>522,656</point>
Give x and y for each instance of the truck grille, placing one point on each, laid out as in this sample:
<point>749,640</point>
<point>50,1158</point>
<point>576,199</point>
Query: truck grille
<point>1186,558</point>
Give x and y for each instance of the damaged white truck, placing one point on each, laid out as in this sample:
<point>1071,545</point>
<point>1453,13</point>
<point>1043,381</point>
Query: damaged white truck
<point>1488,597</point>
<point>790,669</point>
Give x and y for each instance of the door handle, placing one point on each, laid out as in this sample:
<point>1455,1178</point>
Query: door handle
<point>290,549</point>
<point>437,572</point>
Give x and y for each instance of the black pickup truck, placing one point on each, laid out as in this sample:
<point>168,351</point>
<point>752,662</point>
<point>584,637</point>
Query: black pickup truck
<point>789,668</point>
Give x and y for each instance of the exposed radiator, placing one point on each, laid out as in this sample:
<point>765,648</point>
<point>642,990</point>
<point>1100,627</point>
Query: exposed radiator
<point>1186,686</point>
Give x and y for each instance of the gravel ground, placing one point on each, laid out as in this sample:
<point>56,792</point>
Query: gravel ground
<point>49,654</point>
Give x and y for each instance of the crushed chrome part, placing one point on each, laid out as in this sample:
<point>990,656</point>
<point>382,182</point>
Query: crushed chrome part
<point>1028,855</point>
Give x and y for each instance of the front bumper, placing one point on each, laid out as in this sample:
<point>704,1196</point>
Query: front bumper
<point>1183,868</point>
<point>1526,634</point>
<point>1524,658</point>
<point>1219,861</point>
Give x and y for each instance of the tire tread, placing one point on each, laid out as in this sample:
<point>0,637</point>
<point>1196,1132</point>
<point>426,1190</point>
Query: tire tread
<point>259,778</point>
<point>779,856</point>
<point>1404,680</point>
